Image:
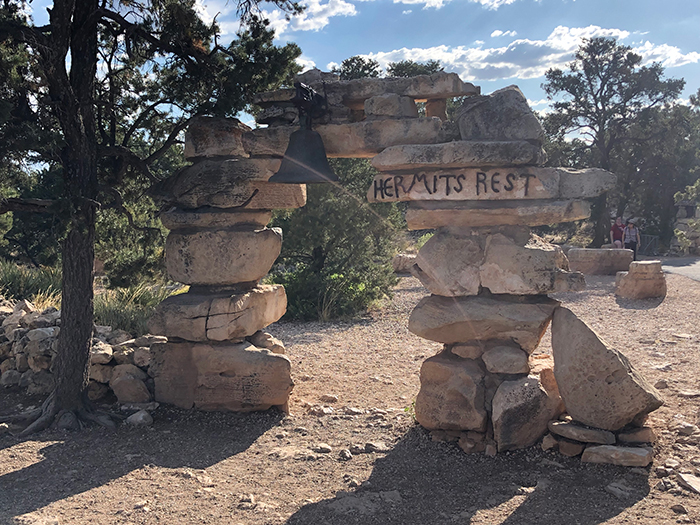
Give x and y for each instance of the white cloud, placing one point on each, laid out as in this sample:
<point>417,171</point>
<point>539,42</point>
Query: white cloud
<point>332,65</point>
<point>498,32</point>
<point>407,12</point>
<point>541,102</point>
<point>524,58</point>
<point>437,4</point>
<point>306,63</point>
<point>315,17</point>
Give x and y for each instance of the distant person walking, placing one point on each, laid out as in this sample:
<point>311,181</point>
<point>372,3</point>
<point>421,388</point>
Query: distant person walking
<point>631,237</point>
<point>617,231</point>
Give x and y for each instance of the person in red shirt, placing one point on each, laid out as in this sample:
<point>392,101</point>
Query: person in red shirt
<point>616,232</point>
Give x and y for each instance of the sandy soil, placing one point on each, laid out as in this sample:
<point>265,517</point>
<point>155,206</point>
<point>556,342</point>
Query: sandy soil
<point>266,468</point>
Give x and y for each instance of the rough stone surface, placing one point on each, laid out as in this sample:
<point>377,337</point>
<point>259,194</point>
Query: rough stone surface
<point>129,389</point>
<point>448,265</point>
<point>140,419</point>
<point>502,115</point>
<point>10,378</point>
<point>390,105</point>
<point>506,360</point>
<point>637,435</point>
<point>598,384</point>
<point>596,261</point>
<point>262,339</point>
<point>458,154</point>
<point>101,373</point>
<point>576,432</point>
<point>127,370</point>
<point>213,137</point>
<point>229,193</point>
<point>644,280</point>
<point>458,319</point>
<point>570,448</point>
<point>521,411</point>
<point>213,218</point>
<point>359,139</point>
<point>468,350</point>
<point>236,377</point>
<point>451,395</point>
<point>212,317</point>
<point>615,455</point>
<point>422,215</point>
<point>221,257</point>
<point>403,262</point>
<point>101,353</point>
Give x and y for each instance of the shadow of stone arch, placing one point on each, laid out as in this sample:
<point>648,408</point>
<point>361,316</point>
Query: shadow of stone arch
<point>421,482</point>
<point>73,463</point>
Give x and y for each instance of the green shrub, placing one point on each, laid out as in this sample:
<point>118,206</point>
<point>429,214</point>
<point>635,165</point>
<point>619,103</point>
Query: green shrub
<point>129,308</point>
<point>20,282</point>
<point>337,249</point>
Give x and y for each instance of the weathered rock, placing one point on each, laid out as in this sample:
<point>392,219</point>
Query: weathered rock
<point>521,411</point>
<point>214,218</point>
<point>637,435</point>
<point>436,107</point>
<point>25,306</point>
<point>232,193</point>
<point>123,355</point>
<point>101,373</point>
<point>689,481</point>
<point>142,356</point>
<point>488,184</point>
<point>598,384</point>
<point>505,359</point>
<point>264,340</point>
<point>96,391</point>
<point>472,214</point>
<point>403,262</point>
<point>457,319</point>
<point>502,115</point>
<point>570,448</point>
<point>130,370</point>
<point>39,363</point>
<point>237,377</point>
<point>10,378</point>
<point>40,383</point>
<point>615,455</point>
<point>472,350</point>
<point>213,137</point>
<point>550,442</point>
<point>21,362</point>
<point>130,389</point>
<point>219,317</point>
<point>101,353</point>
<point>644,280</point>
<point>593,261</point>
<point>277,116</point>
<point>39,334</point>
<point>140,419</point>
<point>458,154</point>
<point>576,432</point>
<point>390,105</point>
<point>451,395</point>
<point>7,364</point>
<point>42,347</point>
<point>119,337</point>
<point>358,139</point>
<point>149,339</point>
<point>448,265</point>
<point>221,257</point>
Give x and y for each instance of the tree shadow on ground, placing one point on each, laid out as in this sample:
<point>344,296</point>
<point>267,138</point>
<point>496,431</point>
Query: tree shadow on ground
<point>426,483</point>
<point>639,304</point>
<point>75,462</point>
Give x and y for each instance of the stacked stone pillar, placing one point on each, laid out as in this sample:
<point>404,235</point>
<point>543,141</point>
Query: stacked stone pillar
<point>217,357</point>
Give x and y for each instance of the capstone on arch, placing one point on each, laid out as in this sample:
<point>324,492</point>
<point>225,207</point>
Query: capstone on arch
<point>478,179</point>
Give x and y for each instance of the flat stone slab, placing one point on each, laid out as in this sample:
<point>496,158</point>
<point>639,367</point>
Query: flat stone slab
<point>422,215</point>
<point>644,280</point>
<point>488,184</point>
<point>232,377</point>
<point>520,319</point>
<point>458,154</point>
<point>215,137</point>
<point>615,455</point>
<point>599,385</point>
<point>213,218</point>
<point>580,433</point>
<point>218,317</point>
<point>597,261</point>
<point>221,257</point>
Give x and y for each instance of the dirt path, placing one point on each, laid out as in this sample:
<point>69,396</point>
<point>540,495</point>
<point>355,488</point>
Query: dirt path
<point>264,468</point>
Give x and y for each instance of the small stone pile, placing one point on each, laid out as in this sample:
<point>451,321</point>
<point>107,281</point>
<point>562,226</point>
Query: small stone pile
<point>119,363</point>
<point>644,280</point>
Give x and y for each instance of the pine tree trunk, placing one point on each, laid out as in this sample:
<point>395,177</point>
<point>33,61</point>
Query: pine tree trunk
<point>601,221</point>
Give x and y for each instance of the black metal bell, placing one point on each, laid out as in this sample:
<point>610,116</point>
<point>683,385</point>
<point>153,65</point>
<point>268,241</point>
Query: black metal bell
<point>305,160</point>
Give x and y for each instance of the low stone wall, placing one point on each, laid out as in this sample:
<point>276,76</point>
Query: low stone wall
<point>591,261</point>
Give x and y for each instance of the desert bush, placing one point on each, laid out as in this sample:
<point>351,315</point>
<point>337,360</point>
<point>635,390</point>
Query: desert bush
<point>21,282</point>
<point>129,308</point>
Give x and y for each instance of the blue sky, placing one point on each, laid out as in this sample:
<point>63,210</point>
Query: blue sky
<point>491,43</point>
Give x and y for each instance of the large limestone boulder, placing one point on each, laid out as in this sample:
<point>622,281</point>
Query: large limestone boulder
<point>599,385</point>
<point>596,261</point>
<point>217,317</point>
<point>423,215</point>
<point>521,410</point>
<point>215,137</point>
<point>214,218</point>
<point>520,319</point>
<point>390,105</point>
<point>644,280</point>
<point>221,257</point>
<point>502,115</point>
<point>458,154</point>
<point>451,395</point>
<point>235,377</point>
<point>451,264</point>
<point>616,455</point>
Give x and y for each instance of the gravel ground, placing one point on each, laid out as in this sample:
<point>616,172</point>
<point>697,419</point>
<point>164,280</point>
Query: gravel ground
<point>355,383</point>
